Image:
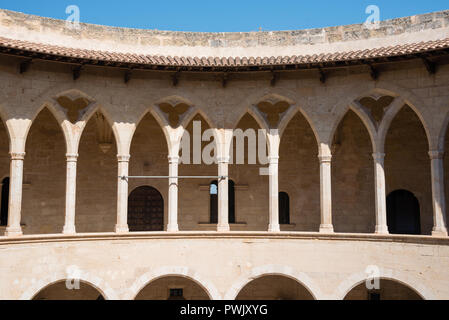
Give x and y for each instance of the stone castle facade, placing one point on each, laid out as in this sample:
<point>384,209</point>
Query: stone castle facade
<point>357,159</point>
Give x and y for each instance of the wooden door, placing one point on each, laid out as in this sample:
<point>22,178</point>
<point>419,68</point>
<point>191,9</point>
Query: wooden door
<point>145,210</point>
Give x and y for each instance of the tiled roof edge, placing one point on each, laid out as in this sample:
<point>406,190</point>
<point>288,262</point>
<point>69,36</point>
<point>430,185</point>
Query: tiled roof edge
<point>7,45</point>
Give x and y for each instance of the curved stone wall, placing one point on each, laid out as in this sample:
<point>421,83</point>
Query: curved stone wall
<point>432,26</point>
<point>119,267</point>
<point>112,124</point>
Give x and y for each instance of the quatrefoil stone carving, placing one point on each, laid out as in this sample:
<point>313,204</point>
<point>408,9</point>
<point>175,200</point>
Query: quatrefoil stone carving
<point>376,107</point>
<point>174,113</point>
<point>273,111</point>
<point>73,107</point>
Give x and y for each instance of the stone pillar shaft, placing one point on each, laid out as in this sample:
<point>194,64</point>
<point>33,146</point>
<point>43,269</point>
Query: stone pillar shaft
<point>223,208</point>
<point>172,225</point>
<point>70,200</point>
<point>273,194</point>
<point>438,196</point>
<point>15,195</point>
<point>380,193</point>
<point>326,225</point>
<point>122,195</point>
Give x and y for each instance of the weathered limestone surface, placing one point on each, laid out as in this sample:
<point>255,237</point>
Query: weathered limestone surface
<point>119,268</point>
<point>407,162</point>
<point>424,27</point>
<point>327,142</point>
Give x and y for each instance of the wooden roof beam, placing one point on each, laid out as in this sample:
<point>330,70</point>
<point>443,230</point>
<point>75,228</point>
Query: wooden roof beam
<point>431,66</point>
<point>224,79</point>
<point>323,76</point>
<point>76,71</point>
<point>127,76</point>
<point>24,65</point>
<point>175,78</point>
<point>374,73</point>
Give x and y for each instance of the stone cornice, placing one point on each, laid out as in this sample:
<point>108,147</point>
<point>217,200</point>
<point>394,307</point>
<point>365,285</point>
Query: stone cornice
<point>207,235</point>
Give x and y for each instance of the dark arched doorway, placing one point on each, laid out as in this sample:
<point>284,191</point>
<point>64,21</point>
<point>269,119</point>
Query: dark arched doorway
<point>403,213</point>
<point>61,291</point>
<point>388,290</point>
<point>172,288</point>
<point>5,202</point>
<point>145,210</point>
<point>284,208</point>
<point>213,191</point>
<point>274,287</point>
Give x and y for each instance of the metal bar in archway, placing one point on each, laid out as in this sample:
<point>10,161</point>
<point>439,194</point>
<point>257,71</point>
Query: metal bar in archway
<point>173,177</point>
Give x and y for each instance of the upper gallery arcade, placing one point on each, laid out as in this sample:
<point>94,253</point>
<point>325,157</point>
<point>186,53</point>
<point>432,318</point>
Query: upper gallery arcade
<point>360,115</point>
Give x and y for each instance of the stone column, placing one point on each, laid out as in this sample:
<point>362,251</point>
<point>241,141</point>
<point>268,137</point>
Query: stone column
<point>122,194</point>
<point>273,194</point>
<point>380,194</point>
<point>326,194</point>
<point>172,226</point>
<point>438,196</point>
<point>223,209</point>
<point>15,195</point>
<point>70,195</point>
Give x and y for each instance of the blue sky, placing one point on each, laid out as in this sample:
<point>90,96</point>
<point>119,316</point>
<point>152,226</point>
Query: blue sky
<point>224,16</point>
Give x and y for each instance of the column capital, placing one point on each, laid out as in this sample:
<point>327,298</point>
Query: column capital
<point>72,157</point>
<point>436,154</point>
<point>17,155</point>
<point>123,158</point>
<point>378,156</point>
<point>325,158</point>
<point>173,159</point>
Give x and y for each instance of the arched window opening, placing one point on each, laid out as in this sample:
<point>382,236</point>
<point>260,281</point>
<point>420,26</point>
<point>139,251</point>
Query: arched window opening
<point>5,202</point>
<point>213,192</point>
<point>284,208</point>
<point>231,201</point>
<point>145,210</point>
<point>403,213</point>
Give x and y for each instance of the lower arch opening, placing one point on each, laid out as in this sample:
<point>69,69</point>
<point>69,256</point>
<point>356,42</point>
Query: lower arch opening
<point>274,287</point>
<point>69,290</point>
<point>172,288</point>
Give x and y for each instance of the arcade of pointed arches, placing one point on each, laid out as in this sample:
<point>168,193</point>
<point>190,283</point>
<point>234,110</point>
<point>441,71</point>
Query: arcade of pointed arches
<point>376,111</point>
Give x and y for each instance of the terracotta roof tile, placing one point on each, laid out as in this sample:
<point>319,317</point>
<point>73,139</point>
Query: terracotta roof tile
<point>222,61</point>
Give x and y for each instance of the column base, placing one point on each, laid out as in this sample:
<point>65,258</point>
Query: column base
<point>382,230</point>
<point>121,229</point>
<point>69,230</point>
<point>439,233</point>
<point>13,232</point>
<point>172,228</point>
<point>224,228</point>
<point>274,228</point>
<point>326,228</point>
